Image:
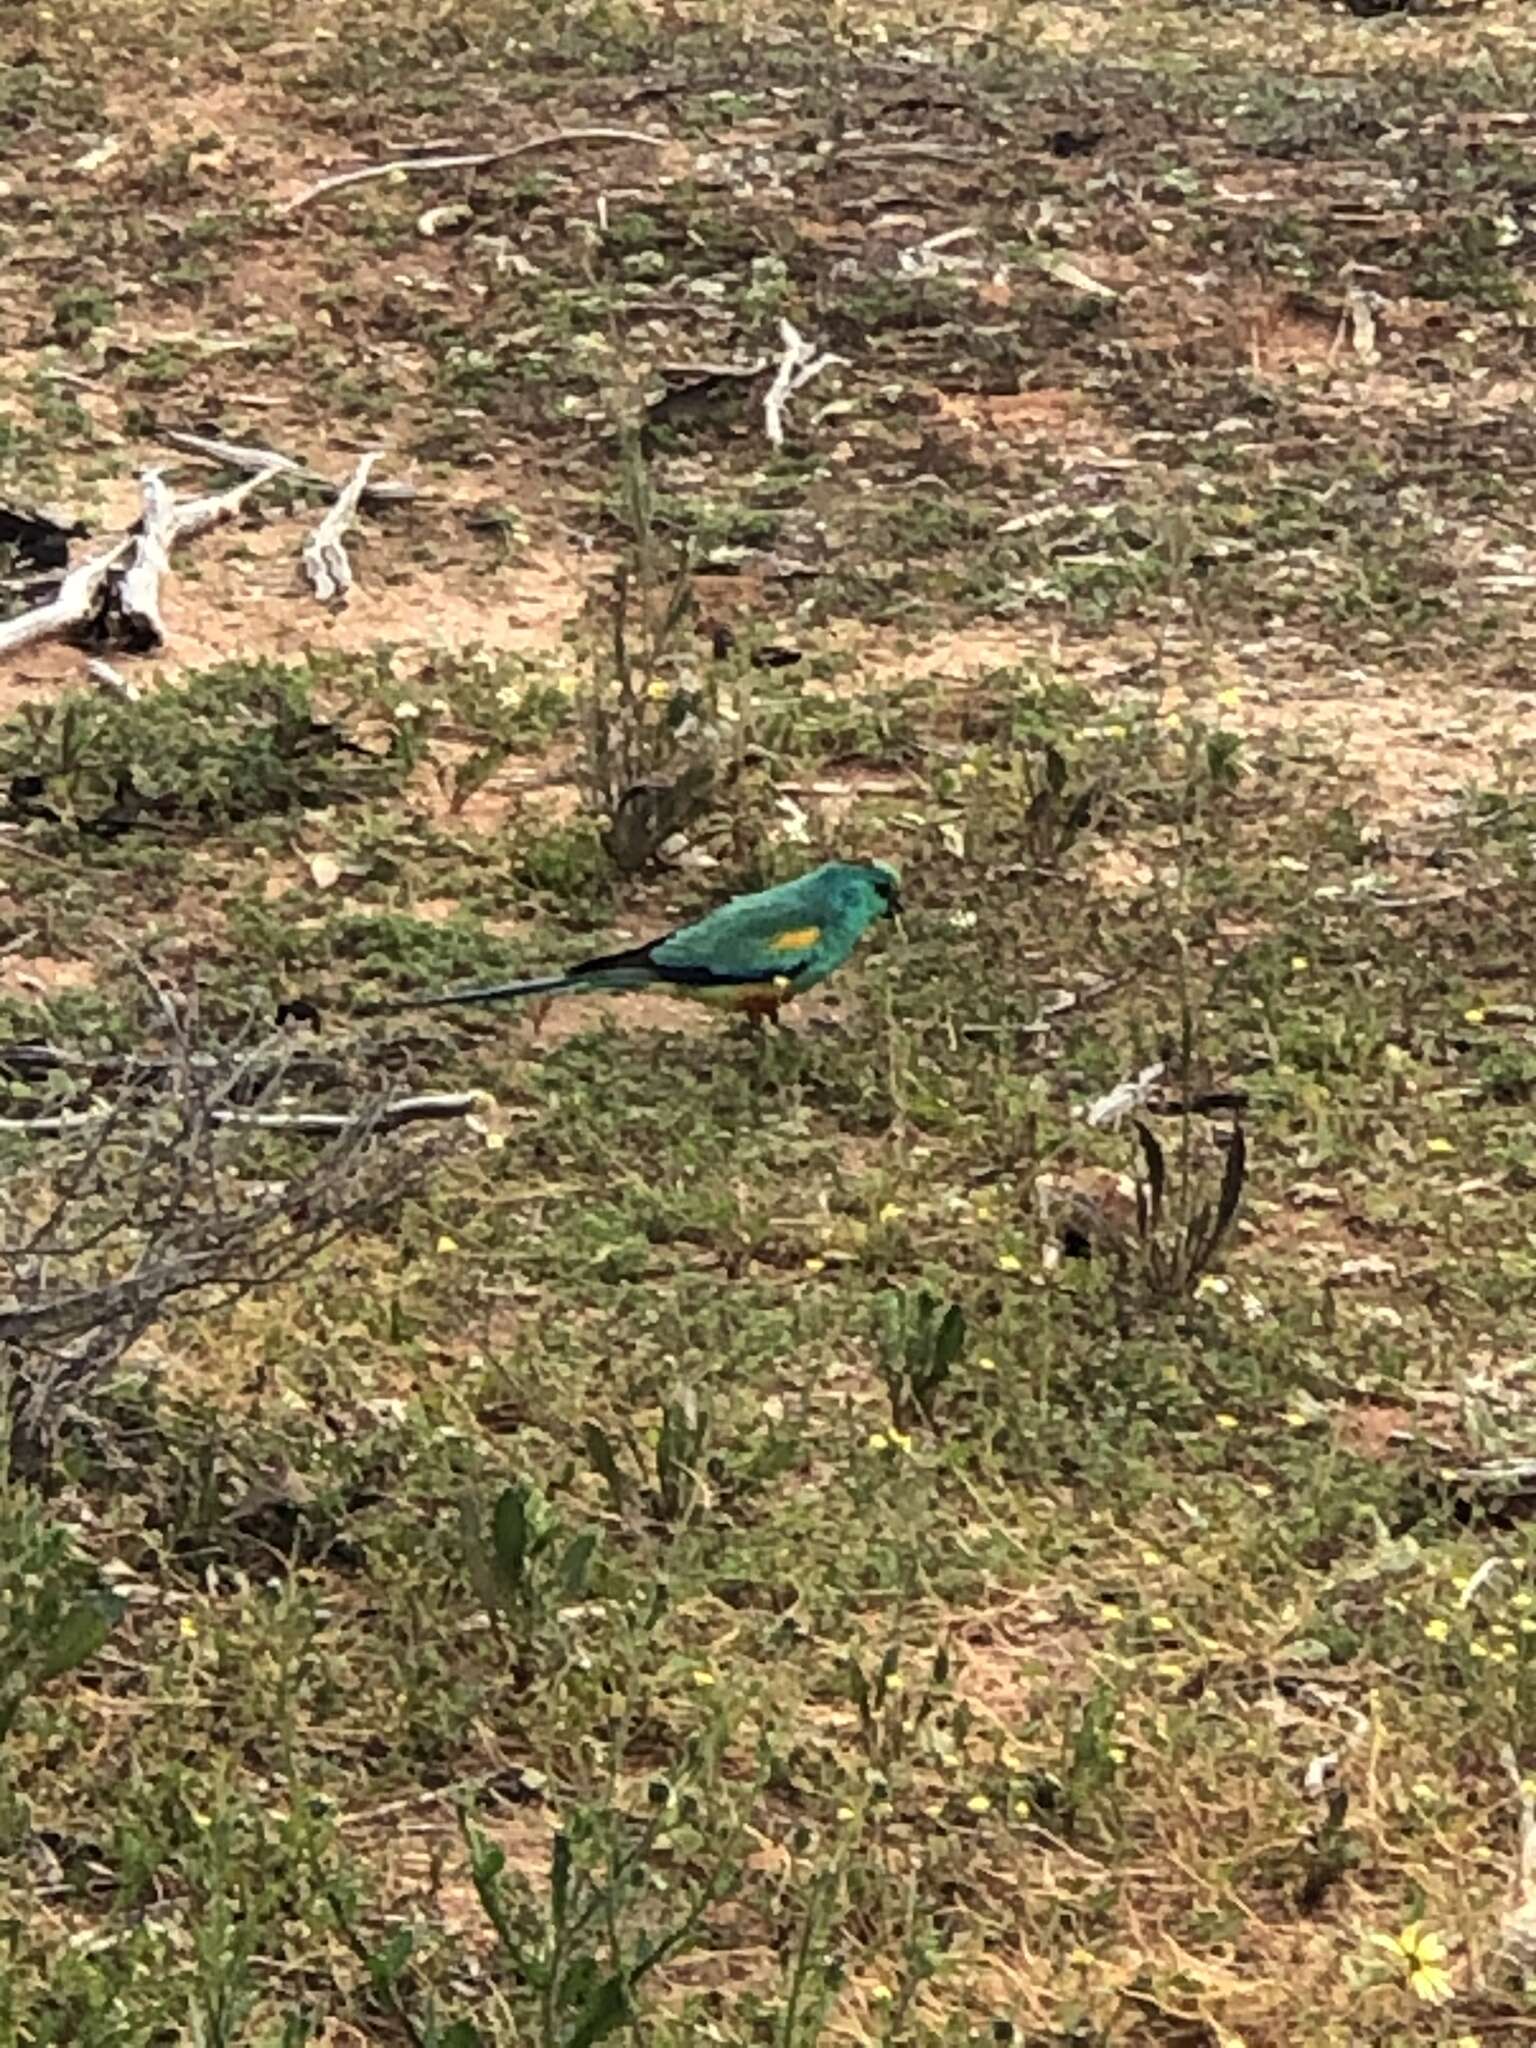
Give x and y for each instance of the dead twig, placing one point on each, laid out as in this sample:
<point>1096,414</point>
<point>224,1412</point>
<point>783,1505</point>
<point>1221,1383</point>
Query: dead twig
<point>135,597</point>
<point>798,364</point>
<point>325,554</point>
<point>73,603</point>
<point>231,454</point>
<point>196,515</point>
<point>931,257</point>
<point>944,152</point>
<point>1125,1097</point>
<point>1059,1002</point>
<point>745,371</point>
<point>467,160</point>
<point>1517,1934</point>
<point>268,461</point>
<point>389,1116</point>
<point>141,1203</point>
<point>114,599</point>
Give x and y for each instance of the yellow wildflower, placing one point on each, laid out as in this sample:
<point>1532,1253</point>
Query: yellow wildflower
<point>1421,1957</point>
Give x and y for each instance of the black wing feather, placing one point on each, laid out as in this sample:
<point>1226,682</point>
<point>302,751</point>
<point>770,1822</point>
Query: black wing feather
<point>692,976</point>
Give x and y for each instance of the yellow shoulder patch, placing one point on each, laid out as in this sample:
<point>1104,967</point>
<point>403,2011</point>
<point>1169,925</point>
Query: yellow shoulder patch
<point>796,941</point>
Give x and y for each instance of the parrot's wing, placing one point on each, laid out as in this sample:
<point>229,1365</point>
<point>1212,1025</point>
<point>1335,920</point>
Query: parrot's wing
<point>662,963</point>
<point>755,938</point>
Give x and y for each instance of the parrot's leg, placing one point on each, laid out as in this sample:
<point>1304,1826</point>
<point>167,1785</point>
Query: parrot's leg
<point>538,1012</point>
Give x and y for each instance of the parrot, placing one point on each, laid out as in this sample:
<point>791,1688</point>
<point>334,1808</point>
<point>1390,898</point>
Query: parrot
<point>752,955</point>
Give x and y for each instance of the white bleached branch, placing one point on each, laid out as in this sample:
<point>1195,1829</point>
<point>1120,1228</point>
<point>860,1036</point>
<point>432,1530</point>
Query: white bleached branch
<point>73,603</point>
<point>123,584</point>
<point>1121,1100</point>
<point>138,590</point>
<point>267,461</point>
<point>193,516</point>
<point>325,554</point>
<point>798,364</point>
<point>466,160</point>
<point>390,1116</point>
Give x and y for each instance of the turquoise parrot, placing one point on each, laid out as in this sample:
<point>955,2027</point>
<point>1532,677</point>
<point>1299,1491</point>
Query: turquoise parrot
<point>752,955</point>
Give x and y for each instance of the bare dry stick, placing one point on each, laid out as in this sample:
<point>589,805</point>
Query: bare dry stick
<point>138,589</point>
<point>467,160</point>
<point>76,600</point>
<point>325,555</point>
<point>112,680</point>
<point>390,1116</point>
<point>746,371</point>
<point>231,454</point>
<point>1126,1096</point>
<point>797,366</point>
<point>126,580</point>
<point>928,258</point>
<point>196,515</point>
<point>1518,1932</point>
<point>267,461</point>
<point>146,1204</point>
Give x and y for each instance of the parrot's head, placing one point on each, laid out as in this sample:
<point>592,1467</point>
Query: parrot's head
<point>873,887</point>
<point>887,886</point>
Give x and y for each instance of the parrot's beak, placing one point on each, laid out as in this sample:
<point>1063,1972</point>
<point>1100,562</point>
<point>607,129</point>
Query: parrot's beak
<point>893,908</point>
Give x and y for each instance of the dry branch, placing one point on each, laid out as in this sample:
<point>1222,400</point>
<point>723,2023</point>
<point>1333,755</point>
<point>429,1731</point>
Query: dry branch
<point>389,1116</point>
<point>467,160</point>
<point>231,454</point>
<point>929,258</point>
<point>798,364</point>
<point>196,515</point>
<point>325,554</point>
<point>136,596</point>
<point>263,461</point>
<point>1124,1097</point>
<point>74,602</point>
<point>143,1202</point>
<point>115,597</point>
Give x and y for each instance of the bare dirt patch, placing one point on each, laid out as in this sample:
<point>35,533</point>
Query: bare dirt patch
<point>1411,748</point>
<point>41,974</point>
<point>1051,416</point>
<point>240,597</point>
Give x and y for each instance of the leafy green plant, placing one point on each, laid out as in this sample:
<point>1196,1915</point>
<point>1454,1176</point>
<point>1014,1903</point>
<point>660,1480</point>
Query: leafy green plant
<point>236,742</point>
<point>1079,1789</point>
<point>580,1950</point>
<point>1056,813</point>
<point>891,1710</point>
<point>520,1557</point>
<point>1179,1235</point>
<point>79,309</point>
<point>651,721</point>
<point>667,1473</point>
<point>54,1614</point>
<point>921,1340</point>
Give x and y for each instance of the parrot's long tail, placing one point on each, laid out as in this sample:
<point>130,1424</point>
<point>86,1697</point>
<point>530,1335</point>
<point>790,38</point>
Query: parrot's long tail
<point>495,992</point>
<point>613,970</point>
